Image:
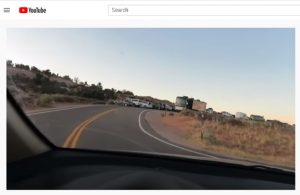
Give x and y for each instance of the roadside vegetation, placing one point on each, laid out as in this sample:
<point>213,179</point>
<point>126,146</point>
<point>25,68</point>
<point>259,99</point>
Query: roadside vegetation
<point>33,88</point>
<point>48,100</point>
<point>272,142</point>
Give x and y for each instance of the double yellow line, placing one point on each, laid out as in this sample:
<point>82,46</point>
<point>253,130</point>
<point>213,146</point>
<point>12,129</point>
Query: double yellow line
<point>73,138</point>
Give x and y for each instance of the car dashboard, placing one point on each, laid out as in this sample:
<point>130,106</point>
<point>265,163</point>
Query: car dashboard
<point>78,169</point>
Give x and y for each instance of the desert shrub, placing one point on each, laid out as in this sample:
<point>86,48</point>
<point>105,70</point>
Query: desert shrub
<point>63,98</point>
<point>271,141</point>
<point>163,114</point>
<point>171,114</point>
<point>84,100</point>
<point>187,112</point>
<point>202,116</point>
<point>211,139</point>
<point>111,102</point>
<point>235,122</point>
<point>45,100</point>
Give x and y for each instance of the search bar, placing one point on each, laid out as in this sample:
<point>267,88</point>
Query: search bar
<point>204,10</point>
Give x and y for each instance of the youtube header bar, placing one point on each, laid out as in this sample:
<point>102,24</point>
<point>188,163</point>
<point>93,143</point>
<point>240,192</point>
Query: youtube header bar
<point>94,10</point>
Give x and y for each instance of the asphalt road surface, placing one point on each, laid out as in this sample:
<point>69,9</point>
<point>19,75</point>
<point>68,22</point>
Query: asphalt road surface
<point>103,127</point>
<point>114,128</point>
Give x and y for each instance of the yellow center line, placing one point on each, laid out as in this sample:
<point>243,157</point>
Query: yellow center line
<point>73,138</point>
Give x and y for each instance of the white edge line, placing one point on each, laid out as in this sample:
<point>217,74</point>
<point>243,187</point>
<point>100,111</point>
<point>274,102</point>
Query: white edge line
<point>54,110</point>
<point>168,143</point>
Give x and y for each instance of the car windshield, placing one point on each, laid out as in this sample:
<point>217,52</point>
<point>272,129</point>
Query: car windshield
<point>219,94</point>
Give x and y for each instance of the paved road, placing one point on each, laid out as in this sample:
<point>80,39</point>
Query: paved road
<point>102,127</point>
<point>110,127</point>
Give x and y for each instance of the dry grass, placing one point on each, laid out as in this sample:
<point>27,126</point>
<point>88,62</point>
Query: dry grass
<point>36,101</point>
<point>269,142</point>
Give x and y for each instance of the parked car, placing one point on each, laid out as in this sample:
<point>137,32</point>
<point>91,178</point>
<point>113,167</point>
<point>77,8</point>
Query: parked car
<point>128,103</point>
<point>168,107</point>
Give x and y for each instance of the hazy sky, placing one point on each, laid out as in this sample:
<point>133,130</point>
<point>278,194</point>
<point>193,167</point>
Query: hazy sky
<point>248,70</point>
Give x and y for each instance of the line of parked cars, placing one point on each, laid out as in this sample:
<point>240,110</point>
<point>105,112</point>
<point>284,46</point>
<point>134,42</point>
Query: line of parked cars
<point>146,104</point>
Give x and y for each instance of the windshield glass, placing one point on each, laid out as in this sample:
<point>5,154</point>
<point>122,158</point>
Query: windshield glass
<point>119,89</point>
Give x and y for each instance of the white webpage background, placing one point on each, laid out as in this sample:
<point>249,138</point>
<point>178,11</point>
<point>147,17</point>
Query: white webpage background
<point>70,18</point>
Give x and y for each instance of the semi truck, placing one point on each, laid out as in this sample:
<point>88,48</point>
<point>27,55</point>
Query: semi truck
<point>181,103</point>
<point>184,102</point>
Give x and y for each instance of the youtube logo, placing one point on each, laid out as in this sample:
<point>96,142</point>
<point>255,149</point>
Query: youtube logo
<point>30,10</point>
<point>23,10</point>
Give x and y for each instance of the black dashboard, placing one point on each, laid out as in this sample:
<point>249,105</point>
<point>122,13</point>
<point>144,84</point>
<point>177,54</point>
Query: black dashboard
<point>78,169</point>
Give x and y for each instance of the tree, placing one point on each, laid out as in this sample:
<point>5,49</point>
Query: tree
<point>125,92</point>
<point>35,69</point>
<point>22,66</point>
<point>99,85</point>
<point>9,63</point>
<point>76,80</point>
<point>40,79</point>
<point>110,93</point>
<point>67,77</point>
<point>47,72</point>
<point>26,67</point>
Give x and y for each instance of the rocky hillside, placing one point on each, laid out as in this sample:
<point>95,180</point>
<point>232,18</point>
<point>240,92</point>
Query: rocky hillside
<point>33,87</point>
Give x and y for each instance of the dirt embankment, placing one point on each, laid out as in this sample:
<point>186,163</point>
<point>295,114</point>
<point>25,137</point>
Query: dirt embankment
<point>266,142</point>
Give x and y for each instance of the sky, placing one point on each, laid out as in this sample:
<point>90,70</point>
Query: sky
<point>235,70</point>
